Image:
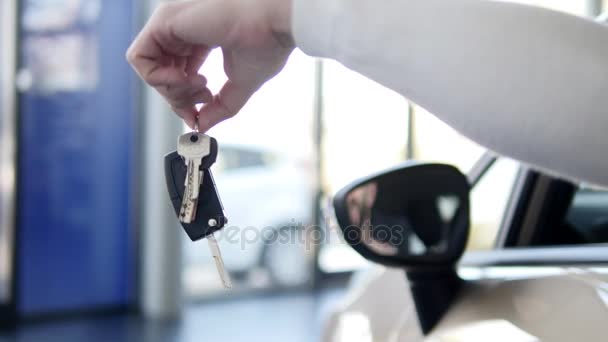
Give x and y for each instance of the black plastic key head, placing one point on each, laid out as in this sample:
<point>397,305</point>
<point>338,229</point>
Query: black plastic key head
<point>209,213</point>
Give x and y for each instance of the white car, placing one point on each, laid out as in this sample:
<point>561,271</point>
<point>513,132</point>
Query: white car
<point>545,278</point>
<point>268,199</point>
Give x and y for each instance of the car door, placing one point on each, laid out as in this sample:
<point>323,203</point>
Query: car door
<point>536,269</point>
<point>546,279</point>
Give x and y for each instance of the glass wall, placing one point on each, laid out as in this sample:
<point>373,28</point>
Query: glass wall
<point>365,129</point>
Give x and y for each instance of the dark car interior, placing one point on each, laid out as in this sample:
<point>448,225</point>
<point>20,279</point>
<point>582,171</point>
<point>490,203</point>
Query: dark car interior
<point>555,212</point>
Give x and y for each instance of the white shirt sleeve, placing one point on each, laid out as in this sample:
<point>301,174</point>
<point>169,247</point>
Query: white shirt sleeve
<point>526,82</point>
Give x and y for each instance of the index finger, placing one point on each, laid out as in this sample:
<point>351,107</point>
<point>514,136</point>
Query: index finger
<point>225,105</point>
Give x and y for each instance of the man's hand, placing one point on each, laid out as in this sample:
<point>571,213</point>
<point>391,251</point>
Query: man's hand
<point>255,39</point>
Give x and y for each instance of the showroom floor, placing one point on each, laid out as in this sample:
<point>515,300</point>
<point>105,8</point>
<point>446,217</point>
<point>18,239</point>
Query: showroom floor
<point>290,317</point>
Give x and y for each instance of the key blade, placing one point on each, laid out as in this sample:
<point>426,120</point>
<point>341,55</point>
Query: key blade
<point>185,211</point>
<point>219,262</point>
<point>197,179</point>
<point>187,208</point>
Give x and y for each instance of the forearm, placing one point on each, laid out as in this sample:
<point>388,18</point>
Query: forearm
<point>526,82</point>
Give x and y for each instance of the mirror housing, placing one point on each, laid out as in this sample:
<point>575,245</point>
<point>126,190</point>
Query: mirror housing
<point>414,216</point>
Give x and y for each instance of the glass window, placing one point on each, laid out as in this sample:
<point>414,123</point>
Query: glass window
<point>489,200</point>
<point>570,214</point>
<point>435,141</point>
<point>587,217</point>
<point>365,126</point>
<point>365,130</point>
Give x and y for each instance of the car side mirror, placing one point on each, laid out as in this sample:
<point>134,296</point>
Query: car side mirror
<point>413,216</point>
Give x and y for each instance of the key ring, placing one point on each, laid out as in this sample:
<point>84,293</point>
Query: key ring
<point>196,124</point>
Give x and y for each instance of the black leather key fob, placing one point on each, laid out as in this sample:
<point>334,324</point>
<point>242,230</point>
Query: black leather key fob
<point>209,207</point>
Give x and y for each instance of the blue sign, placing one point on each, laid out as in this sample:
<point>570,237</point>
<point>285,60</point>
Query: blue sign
<point>77,243</point>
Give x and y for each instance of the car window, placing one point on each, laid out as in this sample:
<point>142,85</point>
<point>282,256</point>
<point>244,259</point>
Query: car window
<point>489,199</point>
<point>587,215</point>
<point>563,213</point>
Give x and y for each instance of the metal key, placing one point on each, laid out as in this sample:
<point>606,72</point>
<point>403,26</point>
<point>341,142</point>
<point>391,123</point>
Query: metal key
<point>193,147</point>
<point>219,262</point>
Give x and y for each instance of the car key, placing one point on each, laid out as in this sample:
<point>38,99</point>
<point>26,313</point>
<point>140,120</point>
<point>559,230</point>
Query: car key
<point>194,194</point>
<point>193,147</point>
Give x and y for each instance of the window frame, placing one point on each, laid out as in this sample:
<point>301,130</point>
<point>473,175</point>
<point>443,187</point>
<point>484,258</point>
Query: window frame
<point>507,252</point>
<point>517,207</point>
<point>513,208</point>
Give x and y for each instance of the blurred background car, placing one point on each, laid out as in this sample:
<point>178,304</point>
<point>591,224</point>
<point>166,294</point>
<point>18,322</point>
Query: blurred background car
<point>267,196</point>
